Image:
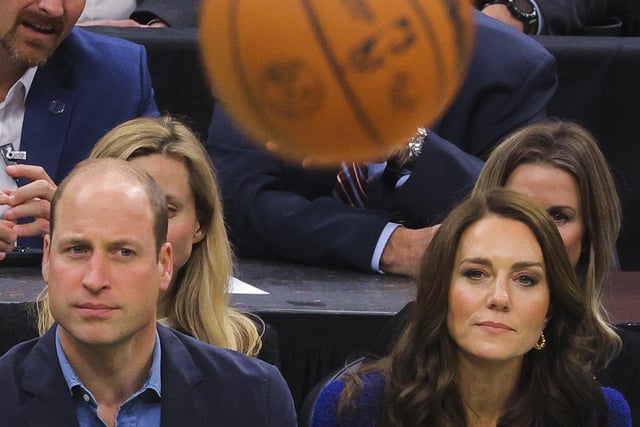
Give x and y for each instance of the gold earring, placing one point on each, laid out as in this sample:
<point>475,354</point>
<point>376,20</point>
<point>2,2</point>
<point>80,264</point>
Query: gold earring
<point>542,342</point>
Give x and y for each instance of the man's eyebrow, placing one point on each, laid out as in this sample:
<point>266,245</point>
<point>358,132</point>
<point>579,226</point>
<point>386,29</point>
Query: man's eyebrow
<point>125,242</point>
<point>74,241</point>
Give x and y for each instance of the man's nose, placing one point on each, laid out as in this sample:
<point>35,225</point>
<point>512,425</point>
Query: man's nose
<point>96,275</point>
<point>52,7</point>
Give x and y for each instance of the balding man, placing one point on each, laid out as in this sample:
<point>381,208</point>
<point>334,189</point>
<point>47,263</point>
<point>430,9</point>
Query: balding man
<point>106,360</point>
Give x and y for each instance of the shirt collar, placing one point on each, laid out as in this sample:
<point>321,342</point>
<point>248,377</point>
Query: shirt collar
<point>26,81</point>
<point>154,382</point>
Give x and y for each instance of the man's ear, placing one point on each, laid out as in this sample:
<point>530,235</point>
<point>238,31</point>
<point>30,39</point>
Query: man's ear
<point>45,258</point>
<point>165,265</point>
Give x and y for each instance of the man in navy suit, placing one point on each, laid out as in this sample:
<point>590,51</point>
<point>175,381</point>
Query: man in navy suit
<point>282,211</point>
<point>61,89</point>
<point>106,360</point>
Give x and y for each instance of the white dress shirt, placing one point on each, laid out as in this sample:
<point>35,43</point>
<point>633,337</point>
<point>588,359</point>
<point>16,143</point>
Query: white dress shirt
<point>95,10</point>
<point>12,109</point>
<point>11,118</point>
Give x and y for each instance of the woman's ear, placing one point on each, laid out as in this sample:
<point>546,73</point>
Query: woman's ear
<point>198,235</point>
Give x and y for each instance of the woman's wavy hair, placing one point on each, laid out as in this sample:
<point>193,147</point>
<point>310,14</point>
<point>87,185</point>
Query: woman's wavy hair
<point>199,298</point>
<point>556,386</point>
<point>572,148</point>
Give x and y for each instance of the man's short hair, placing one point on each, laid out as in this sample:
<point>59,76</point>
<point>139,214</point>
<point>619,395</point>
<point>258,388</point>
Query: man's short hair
<point>125,172</point>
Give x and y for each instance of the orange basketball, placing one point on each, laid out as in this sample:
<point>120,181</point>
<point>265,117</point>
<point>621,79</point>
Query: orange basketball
<point>335,79</point>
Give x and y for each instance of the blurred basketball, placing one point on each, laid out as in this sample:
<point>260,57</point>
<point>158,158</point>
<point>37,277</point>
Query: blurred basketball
<point>335,79</point>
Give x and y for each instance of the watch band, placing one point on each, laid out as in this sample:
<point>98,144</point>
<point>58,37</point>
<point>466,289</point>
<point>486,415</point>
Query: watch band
<point>402,163</point>
<point>529,18</point>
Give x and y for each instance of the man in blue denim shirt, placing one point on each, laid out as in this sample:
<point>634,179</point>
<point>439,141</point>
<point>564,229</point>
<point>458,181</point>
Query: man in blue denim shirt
<point>106,361</point>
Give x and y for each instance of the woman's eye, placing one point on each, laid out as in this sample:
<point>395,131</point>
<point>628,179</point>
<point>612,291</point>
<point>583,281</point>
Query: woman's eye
<point>527,280</point>
<point>559,217</point>
<point>172,210</point>
<point>474,274</point>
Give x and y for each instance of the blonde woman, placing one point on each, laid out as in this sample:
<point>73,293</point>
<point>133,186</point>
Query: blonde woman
<point>197,300</point>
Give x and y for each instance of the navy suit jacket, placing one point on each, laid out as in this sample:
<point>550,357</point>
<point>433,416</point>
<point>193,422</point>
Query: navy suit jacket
<point>282,211</point>
<point>202,385</point>
<point>91,84</point>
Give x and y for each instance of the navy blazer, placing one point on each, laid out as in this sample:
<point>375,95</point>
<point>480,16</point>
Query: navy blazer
<point>278,210</point>
<point>91,84</point>
<point>202,385</point>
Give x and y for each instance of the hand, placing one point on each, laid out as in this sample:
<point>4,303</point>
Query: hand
<point>30,200</point>
<point>501,13</point>
<point>404,250</point>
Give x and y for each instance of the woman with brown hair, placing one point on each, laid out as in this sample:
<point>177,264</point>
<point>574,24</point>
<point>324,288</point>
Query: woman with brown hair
<point>501,334</point>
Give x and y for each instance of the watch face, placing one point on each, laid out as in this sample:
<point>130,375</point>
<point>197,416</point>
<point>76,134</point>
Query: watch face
<point>524,5</point>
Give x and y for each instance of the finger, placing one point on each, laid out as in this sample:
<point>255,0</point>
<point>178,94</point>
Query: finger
<point>39,227</point>
<point>5,197</point>
<point>39,189</point>
<point>8,236</point>
<point>36,208</point>
<point>30,172</point>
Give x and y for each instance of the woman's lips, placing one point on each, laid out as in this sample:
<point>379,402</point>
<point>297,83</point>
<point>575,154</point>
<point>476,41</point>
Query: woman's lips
<point>495,327</point>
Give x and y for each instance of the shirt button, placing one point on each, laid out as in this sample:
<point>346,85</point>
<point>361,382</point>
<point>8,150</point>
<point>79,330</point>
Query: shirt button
<point>86,397</point>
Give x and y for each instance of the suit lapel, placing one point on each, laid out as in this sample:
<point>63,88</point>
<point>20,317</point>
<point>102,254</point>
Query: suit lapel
<point>49,105</point>
<point>42,378</point>
<point>180,376</point>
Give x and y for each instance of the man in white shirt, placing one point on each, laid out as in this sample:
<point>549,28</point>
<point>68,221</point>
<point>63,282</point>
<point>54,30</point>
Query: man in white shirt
<point>61,89</point>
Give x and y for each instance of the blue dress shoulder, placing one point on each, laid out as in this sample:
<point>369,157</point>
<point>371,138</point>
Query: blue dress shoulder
<point>369,405</point>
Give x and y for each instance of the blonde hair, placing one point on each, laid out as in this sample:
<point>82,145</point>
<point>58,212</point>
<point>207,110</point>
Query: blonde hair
<point>199,300</point>
<point>572,148</point>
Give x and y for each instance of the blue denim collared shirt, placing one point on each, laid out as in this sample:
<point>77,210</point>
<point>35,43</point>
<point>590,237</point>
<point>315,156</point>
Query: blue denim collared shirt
<point>142,409</point>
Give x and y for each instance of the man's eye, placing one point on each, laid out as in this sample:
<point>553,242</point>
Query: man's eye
<point>124,252</point>
<point>77,250</point>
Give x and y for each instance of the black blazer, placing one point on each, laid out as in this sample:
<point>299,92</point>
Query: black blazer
<point>202,385</point>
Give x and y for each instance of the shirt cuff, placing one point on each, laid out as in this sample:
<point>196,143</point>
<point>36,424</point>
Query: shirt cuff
<point>382,242</point>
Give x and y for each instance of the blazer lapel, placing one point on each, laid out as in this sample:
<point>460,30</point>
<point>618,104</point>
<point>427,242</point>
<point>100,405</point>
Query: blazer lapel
<point>48,111</point>
<point>51,403</point>
<point>180,376</point>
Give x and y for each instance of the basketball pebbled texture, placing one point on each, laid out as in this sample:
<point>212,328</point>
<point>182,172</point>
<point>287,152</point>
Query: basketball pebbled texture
<point>335,79</point>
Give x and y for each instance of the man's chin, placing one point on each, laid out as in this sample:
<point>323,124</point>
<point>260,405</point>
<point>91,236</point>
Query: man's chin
<point>34,57</point>
<point>30,54</point>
